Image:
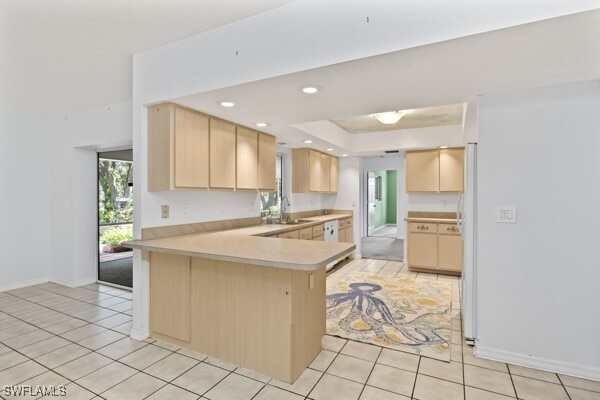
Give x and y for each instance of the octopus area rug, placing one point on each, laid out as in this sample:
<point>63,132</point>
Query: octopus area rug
<point>407,314</point>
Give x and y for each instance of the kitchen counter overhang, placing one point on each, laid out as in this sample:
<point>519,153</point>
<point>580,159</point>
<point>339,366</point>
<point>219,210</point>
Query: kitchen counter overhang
<point>256,302</point>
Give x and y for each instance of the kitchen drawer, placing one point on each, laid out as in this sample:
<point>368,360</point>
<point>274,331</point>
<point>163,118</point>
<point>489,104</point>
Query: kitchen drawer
<point>448,229</point>
<point>348,222</point>
<point>289,235</point>
<point>422,227</point>
<point>305,234</point>
<point>317,230</point>
<point>318,238</point>
<point>341,223</point>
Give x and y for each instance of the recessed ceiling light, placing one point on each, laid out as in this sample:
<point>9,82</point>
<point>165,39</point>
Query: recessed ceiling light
<point>262,124</point>
<point>442,147</point>
<point>227,103</point>
<point>344,155</point>
<point>329,149</point>
<point>308,141</point>
<point>310,89</point>
<point>281,143</point>
<point>388,118</point>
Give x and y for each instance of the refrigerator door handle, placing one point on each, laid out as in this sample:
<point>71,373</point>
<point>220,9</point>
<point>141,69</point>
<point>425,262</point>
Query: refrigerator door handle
<point>459,212</point>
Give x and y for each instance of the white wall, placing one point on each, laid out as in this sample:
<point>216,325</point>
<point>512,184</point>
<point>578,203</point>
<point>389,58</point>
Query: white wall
<point>25,175</point>
<point>348,195</point>
<point>538,279</point>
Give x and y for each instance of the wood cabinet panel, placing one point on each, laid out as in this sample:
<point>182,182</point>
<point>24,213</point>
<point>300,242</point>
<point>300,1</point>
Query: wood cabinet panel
<point>422,171</point>
<point>191,149</point>
<point>422,250</point>
<point>315,171</point>
<point>324,178</point>
<point>222,154</point>
<point>170,301</point>
<point>317,230</point>
<point>333,174</point>
<point>305,233</point>
<point>450,249</point>
<point>448,229</point>
<point>289,235</point>
<point>422,227</point>
<point>246,159</point>
<point>267,157</point>
<point>452,170</point>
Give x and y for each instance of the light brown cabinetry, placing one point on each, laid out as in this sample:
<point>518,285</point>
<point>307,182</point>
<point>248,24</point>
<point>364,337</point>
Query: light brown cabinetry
<point>246,159</point>
<point>266,163</point>
<point>345,230</point>
<point>434,171</point>
<point>268,320</point>
<point>177,148</point>
<point>434,247</point>
<point>289,235</point>
<point>190,150</point>
<point>222,154</point>
<point>313,171</point>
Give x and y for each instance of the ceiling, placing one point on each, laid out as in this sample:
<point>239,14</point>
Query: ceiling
<point>61,57</point>
<point>548,52</point>
<point>65,56</point>
<point>418,118</point>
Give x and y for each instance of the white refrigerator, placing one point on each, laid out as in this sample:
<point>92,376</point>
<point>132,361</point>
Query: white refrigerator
<point>467,224</point>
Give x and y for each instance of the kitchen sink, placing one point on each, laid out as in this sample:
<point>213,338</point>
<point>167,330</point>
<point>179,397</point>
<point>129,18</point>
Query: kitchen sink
<point>296,222</point>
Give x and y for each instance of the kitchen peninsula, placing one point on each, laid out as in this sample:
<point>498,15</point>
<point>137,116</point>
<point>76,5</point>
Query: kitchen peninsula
<point>241,296</point>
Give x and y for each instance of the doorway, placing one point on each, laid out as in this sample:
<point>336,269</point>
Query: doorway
<point>382,240</point>
<point>115,217</point>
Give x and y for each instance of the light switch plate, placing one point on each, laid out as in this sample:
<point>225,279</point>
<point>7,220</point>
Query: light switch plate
<point>506,214</point>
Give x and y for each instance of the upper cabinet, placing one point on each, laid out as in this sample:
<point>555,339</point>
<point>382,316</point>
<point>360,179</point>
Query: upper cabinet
<point>186,133</point>
<point>435,171</point>
<point>313,171</point>
<point>222,154</point>
<point>247,159</point>
<point>190,150</point>
<point>266,163</point>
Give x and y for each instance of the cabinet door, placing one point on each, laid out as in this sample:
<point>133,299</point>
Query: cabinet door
<point>170,302</point>
<point>333,175</point>
<point>325,166</point>
<point>314,171</point>
<point>450,249</point>
<point>422,171</point>
<point>222,154</point>
<point>341,234</point>
<point>289,235</point>
<point>422,250</point>
<point>267,158</point>
<point>451,170</point>
<point>191,150</point>
<point>247,159</point>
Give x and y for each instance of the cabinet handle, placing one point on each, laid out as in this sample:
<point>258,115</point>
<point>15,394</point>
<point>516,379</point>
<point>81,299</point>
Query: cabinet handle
<point>452,229</point>
<point>423,228</point>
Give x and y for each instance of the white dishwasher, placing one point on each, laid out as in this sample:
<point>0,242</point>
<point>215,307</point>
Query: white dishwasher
<point>330,234</point>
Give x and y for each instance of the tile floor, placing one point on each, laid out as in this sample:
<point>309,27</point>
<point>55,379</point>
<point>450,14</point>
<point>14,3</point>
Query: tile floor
<point>54,335</point>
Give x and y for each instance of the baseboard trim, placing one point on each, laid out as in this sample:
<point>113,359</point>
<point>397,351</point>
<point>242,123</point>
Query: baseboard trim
<point>73,284</point>
<point>139,334</point>
<point>543,364</point>
<point>19,285</point>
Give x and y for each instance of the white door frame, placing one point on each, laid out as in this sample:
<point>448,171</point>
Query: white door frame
<point>364,192</point>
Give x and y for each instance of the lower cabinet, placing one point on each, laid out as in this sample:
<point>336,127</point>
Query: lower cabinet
<point>434,247</point>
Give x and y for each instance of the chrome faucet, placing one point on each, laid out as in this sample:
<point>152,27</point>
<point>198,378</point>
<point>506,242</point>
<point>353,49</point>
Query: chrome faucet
<point>283,207</point>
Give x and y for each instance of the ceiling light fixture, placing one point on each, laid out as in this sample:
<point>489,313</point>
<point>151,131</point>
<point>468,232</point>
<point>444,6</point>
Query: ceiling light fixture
<point>442,147</point>
<point>329,149</point>
<point>310,89</point>
<point>227,103</point>
<point>344,155</point>
<point>308,141</point>
<point>262,124</point>
<point>389,118</point>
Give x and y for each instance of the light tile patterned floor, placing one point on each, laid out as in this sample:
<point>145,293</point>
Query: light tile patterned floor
<point>54,335</point>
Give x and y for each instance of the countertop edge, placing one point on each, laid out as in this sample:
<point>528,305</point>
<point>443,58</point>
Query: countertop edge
<point>422,219</point>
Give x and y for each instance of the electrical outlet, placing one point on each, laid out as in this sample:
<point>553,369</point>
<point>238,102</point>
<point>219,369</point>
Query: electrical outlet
<point>185,210</point>
<point>164,211</point>
<point>225,206</point>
